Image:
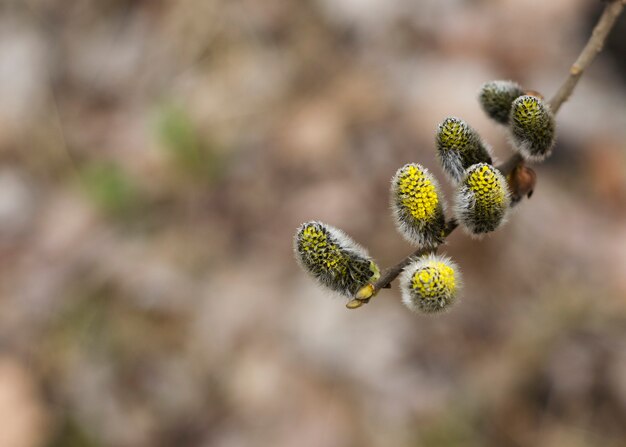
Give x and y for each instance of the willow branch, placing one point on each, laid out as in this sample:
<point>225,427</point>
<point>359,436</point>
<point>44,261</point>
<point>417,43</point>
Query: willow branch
<point>594,45</point>
<point>392,272</point>
<point>510,164</point>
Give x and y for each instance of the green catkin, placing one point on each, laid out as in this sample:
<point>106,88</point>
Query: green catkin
<point>482,199</point>
<point>496,98</point>
<point>417,206</point>
<point>333,258</point>
<point>532,127</point>
<point>430,284</point>
<point>459,146</point>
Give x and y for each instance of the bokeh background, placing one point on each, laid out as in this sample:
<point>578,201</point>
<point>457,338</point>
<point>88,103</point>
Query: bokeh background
<point>156,158</point>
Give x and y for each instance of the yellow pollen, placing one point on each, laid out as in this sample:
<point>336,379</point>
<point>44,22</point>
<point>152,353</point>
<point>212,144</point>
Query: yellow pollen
<point>417,194</point>
<point>486,187</point>
<point>435,280</point>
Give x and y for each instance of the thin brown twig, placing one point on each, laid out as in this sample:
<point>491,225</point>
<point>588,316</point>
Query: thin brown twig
<point>594,45</point>
<point>510,164</point>
<point>392,272</point>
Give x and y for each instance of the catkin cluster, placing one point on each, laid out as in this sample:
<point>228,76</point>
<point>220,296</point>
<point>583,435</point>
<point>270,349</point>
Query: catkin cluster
<point>481,201</point>
<point>530,120</point>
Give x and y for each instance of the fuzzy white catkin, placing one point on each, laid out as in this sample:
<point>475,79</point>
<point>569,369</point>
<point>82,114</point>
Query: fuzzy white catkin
<point>333,259</point>
<point>417,205</point>
<point>482,199</point>
<point>533,128</point>
<point>430,284</point>
<point>459,146</point>
<point>496,98</point>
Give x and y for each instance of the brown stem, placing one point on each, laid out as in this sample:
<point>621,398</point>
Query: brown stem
<point>510,164</point>
<point>392,272</point>
<point>594,45</point>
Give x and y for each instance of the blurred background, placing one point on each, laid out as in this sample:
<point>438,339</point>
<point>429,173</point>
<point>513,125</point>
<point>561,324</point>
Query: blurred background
<point>157,156</point>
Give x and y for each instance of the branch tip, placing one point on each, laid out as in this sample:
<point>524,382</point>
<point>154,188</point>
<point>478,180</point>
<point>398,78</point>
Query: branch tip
<point>521,178</point>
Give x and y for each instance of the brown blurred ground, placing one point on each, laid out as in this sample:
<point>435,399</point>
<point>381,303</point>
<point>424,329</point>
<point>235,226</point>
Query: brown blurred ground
<point>156,158</point>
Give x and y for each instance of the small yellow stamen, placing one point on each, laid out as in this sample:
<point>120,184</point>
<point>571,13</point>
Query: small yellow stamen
<point>366,292</point>
<point>354,304</point>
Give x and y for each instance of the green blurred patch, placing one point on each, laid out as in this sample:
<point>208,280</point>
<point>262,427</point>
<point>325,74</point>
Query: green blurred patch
<point>100,326</point>
<point>110,188</point>
<point>189,152</point>
<point>71,434</point>
<point>450,430</point>
<point>102,322</point>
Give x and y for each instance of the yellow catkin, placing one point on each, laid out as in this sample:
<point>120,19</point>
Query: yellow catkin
<point>333,259</point>
<point>417,205</point>
<point>482,200</point>
<point>458,147</point>
<point>430,284</point>
<point>532,127</point>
